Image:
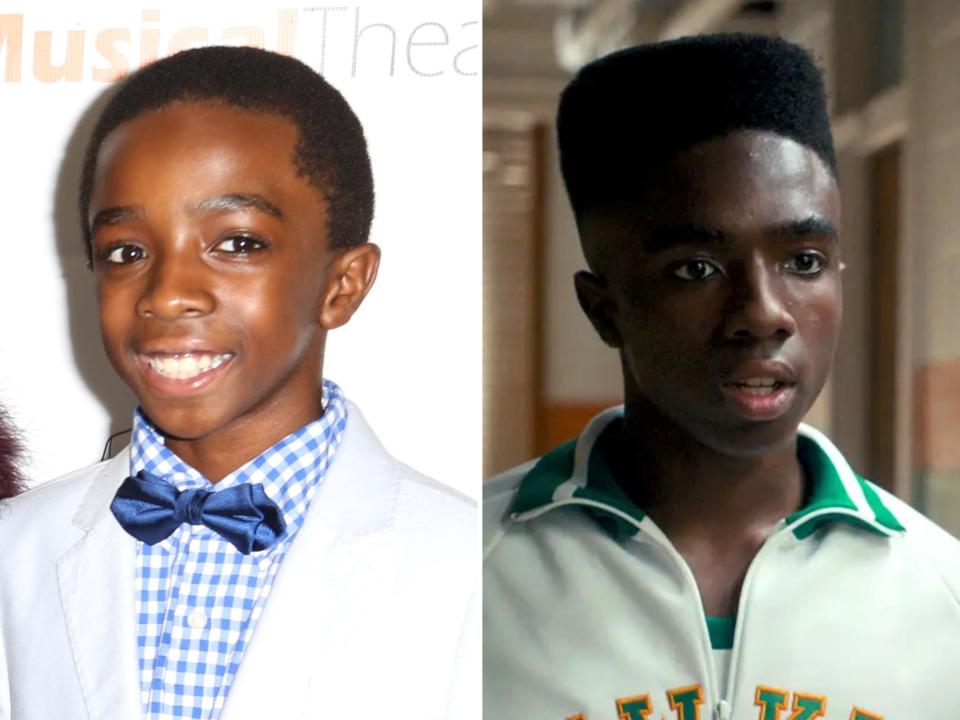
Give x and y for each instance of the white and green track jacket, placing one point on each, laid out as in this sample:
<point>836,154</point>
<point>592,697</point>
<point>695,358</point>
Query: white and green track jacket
<point>850,610</point>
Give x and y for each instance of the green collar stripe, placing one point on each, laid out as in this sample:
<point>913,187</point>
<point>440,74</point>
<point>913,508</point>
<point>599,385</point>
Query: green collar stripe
<point>607,499</point>
<point>880,511</point>
<point>828,489</point>
<point>721,631</point>
<point>830,500</point>
<point>811,524</point>
<point>828,494</point>
<point>550,472</point>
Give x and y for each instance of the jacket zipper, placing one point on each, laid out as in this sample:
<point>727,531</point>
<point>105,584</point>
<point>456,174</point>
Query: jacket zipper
<point>724,707</point>
<point>657,535</point>
<point>723,710</point>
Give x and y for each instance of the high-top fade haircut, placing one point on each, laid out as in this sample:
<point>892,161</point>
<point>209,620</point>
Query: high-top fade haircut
<point>331,152</point>
<point>625,114</point>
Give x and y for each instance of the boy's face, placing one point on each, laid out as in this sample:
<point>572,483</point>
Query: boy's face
<point>214,276</point>
<point>725,298</point>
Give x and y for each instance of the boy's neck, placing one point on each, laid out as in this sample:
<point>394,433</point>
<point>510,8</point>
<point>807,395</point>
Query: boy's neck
<point>670,474</point>
<point>218,454</point>
<point>716,509</point>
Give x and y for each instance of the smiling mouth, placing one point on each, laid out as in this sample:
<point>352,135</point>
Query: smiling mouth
<point>185,366</point>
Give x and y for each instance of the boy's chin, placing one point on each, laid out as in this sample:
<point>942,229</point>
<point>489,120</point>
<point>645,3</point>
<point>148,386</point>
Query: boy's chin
<point>750,440</point>
<point>183,423</point>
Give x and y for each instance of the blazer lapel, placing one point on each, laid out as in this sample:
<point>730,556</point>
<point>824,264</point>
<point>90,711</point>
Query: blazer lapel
<point>317,599</point>
<point>96,578</point>
<point>323,591</point>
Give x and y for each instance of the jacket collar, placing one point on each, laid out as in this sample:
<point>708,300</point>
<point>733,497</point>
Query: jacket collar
<point>577,473</point>
<point>337,568</point>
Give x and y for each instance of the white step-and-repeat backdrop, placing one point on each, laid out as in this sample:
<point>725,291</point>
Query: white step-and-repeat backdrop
<point>410,358</point>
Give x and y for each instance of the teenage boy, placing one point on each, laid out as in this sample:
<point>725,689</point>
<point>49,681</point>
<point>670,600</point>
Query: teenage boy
<point>698,552</point>
<point>255,553</point>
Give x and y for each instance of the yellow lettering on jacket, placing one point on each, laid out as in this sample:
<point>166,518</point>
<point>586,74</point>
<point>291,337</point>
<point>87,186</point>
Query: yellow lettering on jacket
<point>807,707</point>
<point>686,702</point>
<point>637,707</point>
<point>771,701</point>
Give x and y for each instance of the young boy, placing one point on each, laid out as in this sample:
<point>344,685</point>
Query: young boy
<point>698,552</point>
<point>255,552</point>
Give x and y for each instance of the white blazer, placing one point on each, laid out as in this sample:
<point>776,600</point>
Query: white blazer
<point>371,614</point>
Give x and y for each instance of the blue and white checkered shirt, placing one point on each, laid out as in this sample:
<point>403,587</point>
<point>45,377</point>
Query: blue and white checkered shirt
<point>198,597</point>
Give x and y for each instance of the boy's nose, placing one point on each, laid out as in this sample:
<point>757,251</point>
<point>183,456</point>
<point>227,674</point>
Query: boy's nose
<point>175,290</point>
<point>760,307</point>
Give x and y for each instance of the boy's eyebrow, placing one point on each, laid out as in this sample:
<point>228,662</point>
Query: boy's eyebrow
<point>217,203</point>
<point>812,225</point>
<point>686,234</point>
<point>115,215</point>
<point>237,201</point>
<point>665,238</point>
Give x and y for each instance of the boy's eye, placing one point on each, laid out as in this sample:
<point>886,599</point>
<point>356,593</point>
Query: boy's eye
<point>695,270</point>
<point>123,254</point>
<point>806,263</point>
<point>240,245</point>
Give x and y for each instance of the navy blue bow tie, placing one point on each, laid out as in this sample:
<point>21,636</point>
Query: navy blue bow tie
<point>150,509</point>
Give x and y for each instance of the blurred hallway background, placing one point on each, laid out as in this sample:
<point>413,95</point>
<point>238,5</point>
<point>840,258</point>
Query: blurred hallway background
<point>893,79</point>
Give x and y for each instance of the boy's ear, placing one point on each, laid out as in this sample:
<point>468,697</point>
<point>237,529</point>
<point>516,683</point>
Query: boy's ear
<point>351,275</point>
<point>595,298</point>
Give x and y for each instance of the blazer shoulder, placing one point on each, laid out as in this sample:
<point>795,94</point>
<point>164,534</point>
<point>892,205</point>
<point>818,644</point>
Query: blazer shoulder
<point>432,531</point>
<point>40,522</point>
<point>53,500</point>
<point>424,502</point>
<point>369,490</point>
<point>431,491</point>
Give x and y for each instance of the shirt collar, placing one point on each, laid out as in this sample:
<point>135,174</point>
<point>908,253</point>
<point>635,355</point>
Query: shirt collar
<point>577,473</point>
<point>289,471</point>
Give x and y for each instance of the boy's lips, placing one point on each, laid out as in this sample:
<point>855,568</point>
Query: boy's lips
<point>759,398</point>
<point>182,373</point>
<point>760,389</point>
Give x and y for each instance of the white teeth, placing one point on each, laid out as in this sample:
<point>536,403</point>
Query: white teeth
<point>756,386</point>
<point>186,366</point>
<point>757,382</point>
<point>756,390</point>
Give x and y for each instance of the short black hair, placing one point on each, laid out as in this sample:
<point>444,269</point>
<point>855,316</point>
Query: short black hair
<point>626,113</point>
<point>331,150</point>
